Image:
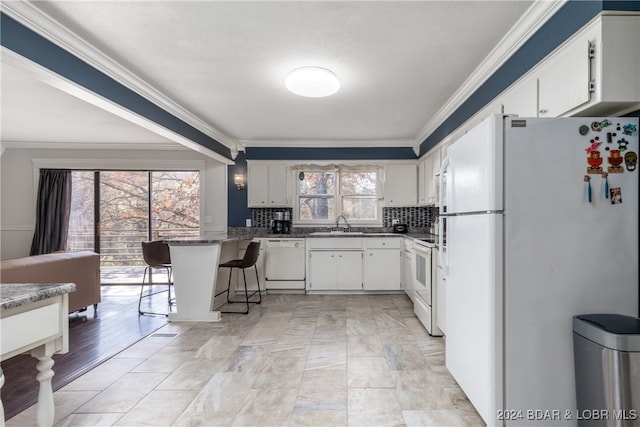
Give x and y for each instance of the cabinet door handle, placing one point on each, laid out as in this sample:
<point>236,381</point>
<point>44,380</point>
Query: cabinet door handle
<point>543,111</point>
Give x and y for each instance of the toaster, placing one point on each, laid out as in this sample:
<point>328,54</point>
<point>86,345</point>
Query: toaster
<point>400,228</point>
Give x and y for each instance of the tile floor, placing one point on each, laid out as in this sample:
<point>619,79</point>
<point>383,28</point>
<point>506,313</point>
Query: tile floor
<point>295,360</point>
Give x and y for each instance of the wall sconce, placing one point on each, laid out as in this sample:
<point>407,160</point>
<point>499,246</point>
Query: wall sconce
<point>238,180</point>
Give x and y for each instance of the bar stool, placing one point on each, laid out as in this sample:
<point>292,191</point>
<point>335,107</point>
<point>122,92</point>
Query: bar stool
<point>156,255</point>
<point>249,260</point>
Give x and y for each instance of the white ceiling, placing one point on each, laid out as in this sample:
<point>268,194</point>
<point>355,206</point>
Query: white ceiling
<point>37,114</point>
<point>224,64</point>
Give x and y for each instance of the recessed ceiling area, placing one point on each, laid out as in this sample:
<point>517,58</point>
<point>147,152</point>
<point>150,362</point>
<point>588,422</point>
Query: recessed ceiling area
<point>225,63</point>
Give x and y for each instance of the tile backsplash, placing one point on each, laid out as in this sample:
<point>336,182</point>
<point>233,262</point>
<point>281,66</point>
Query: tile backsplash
<point>414,217</point>
<point>261,217</point>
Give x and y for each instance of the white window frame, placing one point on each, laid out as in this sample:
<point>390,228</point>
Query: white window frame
<point>337,195</point>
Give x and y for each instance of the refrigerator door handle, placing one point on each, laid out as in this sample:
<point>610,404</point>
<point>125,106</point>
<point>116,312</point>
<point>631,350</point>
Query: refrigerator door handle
<point>441,256</point>
<point>443,171</point>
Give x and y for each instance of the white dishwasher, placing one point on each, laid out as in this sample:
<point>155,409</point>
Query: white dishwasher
<point>285,264</point>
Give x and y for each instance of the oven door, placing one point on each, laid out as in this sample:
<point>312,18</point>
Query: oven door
<point>422,282</point>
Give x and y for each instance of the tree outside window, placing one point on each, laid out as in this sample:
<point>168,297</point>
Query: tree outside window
<point>325,193</point>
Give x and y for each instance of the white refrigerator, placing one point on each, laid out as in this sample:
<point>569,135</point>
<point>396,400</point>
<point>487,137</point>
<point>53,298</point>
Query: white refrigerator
<point>542,224</point>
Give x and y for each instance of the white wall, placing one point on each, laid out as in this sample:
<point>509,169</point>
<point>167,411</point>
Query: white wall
<point>18,186</point>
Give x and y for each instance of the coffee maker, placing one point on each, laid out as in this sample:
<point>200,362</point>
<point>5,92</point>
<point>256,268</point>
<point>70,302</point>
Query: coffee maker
<point>281,222</point>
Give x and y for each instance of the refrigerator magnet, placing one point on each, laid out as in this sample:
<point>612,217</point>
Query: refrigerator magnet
<point>594,161</point>
<point>587,179</point>
<point>605,176</point>
<point>622,144</point>
<point>629,129</point>
<point>630,160</point>
<point>584,129</point>
<point>616,196</point>
<point>615,162</point>
<point>598,126</point>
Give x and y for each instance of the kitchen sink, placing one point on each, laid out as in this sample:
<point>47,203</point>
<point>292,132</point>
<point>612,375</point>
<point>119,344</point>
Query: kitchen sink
<point>336,232</point>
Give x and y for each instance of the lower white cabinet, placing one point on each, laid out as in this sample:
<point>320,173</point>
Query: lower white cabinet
<point>441,291</point>
<point>409,269</point>
<point>383,264</point>
<point>335,270</point>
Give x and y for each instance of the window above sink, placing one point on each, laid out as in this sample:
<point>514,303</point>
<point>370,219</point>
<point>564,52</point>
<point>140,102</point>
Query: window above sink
<point>324,192</point>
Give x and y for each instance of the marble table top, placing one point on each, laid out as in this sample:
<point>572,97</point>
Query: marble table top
<point>14,295</point>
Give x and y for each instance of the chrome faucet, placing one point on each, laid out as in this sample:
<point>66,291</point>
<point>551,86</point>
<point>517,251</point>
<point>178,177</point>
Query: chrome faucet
<point>346,224</point>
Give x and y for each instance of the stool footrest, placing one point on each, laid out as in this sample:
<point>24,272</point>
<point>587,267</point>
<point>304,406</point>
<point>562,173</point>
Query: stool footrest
<point>247,295</point>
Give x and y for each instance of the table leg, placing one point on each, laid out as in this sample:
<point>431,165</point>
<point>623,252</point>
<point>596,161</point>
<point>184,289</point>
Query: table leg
<point>45,407</point>
<point>1,407</point>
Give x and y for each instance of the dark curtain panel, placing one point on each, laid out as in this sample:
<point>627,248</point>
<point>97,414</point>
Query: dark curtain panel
<point>52,211</point>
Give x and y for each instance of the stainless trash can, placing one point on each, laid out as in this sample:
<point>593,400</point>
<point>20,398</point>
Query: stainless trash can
<point>606,349</point>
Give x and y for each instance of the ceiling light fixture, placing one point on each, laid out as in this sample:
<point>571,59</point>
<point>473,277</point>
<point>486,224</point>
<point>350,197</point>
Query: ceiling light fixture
<point>312,82</point>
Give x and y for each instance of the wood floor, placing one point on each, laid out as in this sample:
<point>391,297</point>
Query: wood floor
<point>93,338</point>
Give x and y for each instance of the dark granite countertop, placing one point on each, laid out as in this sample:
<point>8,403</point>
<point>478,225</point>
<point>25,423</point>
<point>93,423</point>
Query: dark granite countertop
<point>252,233</point>
<point>16,294</point>
<point>206,239</point>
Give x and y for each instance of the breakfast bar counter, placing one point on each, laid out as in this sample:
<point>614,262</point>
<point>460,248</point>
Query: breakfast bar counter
<point>195,263</point>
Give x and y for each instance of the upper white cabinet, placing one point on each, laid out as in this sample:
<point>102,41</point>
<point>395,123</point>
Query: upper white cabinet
<point>563,79</point>
<point>616,64</point>
<point>422,194</point>
<point>425,180</point>
<point>400,184</point>
<point>267,185</point>
<point>595,72</point>
<point>432,189</point>
<point>522,99</point>
<point>428,171</point>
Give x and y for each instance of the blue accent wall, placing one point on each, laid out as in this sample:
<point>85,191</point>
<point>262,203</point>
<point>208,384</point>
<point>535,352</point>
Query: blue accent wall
<point>20,39</point>
<point>345,153</point>
<point>237,210</point>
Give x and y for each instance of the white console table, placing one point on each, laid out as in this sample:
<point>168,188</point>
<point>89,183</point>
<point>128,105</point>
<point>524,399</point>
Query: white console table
<point>34,316</point>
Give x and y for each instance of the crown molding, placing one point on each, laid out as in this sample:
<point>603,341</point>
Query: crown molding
<point>327,143</point>
<point>62,145</point>
<point>530,22</point>
<point>121,163</point>
<point>39,22</point>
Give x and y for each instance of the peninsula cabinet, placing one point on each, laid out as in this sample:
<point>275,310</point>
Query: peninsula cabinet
<point>267,185</point>
<point>383,264</point>
<point>400,184</point>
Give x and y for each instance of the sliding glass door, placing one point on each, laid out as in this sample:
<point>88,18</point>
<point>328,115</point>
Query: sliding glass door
<point>114,211</point>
